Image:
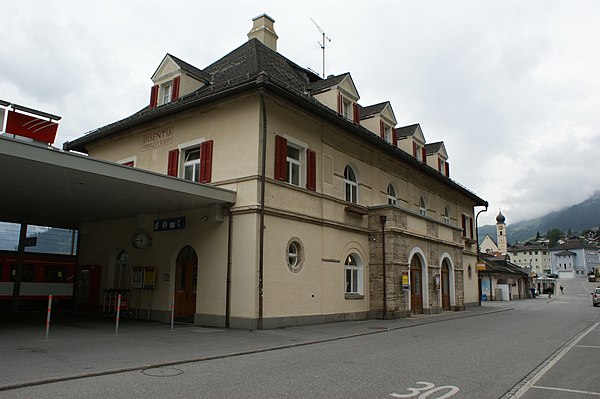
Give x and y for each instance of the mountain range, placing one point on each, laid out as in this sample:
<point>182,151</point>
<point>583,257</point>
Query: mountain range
<point>579,217</point>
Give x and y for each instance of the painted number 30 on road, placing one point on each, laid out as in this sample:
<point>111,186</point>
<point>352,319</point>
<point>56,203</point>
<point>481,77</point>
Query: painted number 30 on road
<point>428,389</point>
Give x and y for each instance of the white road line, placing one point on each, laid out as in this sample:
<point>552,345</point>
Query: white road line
<point>588,346</point>
<point>551,364</point>
<point>567,390</point>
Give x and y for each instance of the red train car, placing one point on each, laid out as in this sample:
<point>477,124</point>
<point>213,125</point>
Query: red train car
<point>43,275</point>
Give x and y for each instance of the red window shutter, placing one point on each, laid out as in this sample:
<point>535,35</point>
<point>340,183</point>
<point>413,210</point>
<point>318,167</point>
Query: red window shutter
<point>173,164</point>
<point>471,228</point>
<point>154,96</point>
<point>382,129</point>
<point>424,153</point>
<point>206,152</point>
<point>414,149</point>
<point>447,165</point>
<point>340,103</point>
<point>356,110</point>
<point>175,90</point>
<point>394,137</point>
<point>280,158</point>
<point>464,225</point>
<point>311,170</point>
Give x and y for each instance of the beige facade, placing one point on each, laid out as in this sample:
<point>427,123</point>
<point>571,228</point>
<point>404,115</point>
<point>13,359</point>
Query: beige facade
<point>303,241</point>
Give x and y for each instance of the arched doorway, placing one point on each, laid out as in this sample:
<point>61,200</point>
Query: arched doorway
<point>186,279</point>
<point>416,285</point>
<point>445,285</point>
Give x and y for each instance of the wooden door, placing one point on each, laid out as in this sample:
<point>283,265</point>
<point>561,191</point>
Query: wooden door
<point>416,287</point>
<point>445,286</point>
<point>186,279</point>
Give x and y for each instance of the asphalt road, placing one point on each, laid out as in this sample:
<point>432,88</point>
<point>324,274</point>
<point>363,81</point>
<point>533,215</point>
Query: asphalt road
<point>541,349</point>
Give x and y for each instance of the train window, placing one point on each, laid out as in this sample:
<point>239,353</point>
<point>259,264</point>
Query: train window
<point>28,273</point>
<point>56,274</point>
<point>1,273</point>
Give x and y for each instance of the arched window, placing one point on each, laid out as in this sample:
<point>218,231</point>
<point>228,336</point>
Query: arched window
<point>391,195</point>
<point>350,185</point>
<point>353,271</point>
<point>121,266</point>
<point>422,207</point>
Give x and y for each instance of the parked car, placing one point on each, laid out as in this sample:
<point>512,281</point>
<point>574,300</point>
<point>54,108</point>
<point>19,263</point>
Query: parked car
<point>596,297</point>
<point>592,278</point>
<point>553,275</point>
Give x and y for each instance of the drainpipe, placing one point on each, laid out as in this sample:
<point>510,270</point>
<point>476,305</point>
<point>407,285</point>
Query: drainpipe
<point>382,219</point>
<point>478,258</point>
<point>263,128</point>
<point>228,284</point>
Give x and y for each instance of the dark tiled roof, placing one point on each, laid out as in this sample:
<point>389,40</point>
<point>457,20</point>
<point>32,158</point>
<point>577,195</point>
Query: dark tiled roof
<point>433,148</point>
<point>252,58</point>
<point>326,83</point>
<point>190,69</point>
<point>371,110</point>
<point>406,131</point>
<point>565,253</point>
<point>529,246</point>
<point>575,244</point>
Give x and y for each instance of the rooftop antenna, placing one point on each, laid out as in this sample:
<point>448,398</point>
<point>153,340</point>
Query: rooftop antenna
<point>322,43</point>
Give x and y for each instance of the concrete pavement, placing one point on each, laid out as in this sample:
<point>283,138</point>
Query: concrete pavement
<point>84,347</point>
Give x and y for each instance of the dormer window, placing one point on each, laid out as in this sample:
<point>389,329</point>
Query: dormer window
<point>419,152</point>
<point>347,108</point>
<point>166,91</point>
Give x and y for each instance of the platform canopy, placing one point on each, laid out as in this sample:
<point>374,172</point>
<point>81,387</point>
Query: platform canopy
<point>45,186</point>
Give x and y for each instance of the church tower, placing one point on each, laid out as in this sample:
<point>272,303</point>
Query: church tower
<point>501,233</point>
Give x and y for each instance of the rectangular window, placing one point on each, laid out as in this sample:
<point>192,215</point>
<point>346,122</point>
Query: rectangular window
<point>467,226</point>
<point>346,108</point>
<point>28,273</point>
<point>166,93</point>
<point>293,165</point>
<point>352,281</point>
<point>56,274</point>
<point>191,164</point>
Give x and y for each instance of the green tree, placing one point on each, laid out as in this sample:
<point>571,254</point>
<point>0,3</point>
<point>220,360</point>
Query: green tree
<point>537,236</point>
<point>553,235</point>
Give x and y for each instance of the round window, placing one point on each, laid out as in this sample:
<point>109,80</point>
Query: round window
<point>294,255</point>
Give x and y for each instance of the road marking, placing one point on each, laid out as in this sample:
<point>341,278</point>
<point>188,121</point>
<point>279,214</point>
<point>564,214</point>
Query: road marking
<point>551,364</point>
<point>588,346</point>
<point>567,390</point>
<point>427,390</point>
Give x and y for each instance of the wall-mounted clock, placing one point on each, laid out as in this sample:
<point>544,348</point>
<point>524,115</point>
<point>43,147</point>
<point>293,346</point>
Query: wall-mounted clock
<point>141,240</point>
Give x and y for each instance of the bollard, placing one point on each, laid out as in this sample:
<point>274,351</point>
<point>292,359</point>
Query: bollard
<point>48,316</point>
<point>118,314</point>
<point>172,311</point>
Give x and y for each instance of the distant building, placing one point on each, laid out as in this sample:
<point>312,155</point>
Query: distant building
<point>533,255</point>
<point>488,245</point>
<point>574,258</point>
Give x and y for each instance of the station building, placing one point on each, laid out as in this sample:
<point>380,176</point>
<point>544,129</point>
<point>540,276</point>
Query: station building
<point>292,203</point>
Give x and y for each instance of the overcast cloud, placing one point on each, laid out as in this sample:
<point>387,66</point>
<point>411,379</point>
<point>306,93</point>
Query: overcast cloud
<point>511,87</point>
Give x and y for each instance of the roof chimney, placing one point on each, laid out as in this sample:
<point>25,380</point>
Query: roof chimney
<point>262,29</point>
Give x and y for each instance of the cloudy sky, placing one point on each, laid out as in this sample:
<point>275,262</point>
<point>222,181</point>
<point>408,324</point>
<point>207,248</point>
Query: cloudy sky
<point>511,87</point>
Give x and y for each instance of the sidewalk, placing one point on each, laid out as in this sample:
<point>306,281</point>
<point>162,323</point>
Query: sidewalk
<point>80,347</point>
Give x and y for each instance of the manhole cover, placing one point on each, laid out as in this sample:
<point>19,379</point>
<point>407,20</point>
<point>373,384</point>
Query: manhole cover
<point>162,372</point>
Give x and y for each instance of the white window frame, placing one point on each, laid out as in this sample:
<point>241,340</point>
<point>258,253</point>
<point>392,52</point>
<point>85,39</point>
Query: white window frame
<point>350,186</point>
<point>301,162</point>
<point>346,108</point>
<point>392,199</point>
<point>419,154</point>
<point>387,133</point>
<point>166,91</point>
<point>183,150</point>
<point>353,274</point>
<point>193,163</point>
